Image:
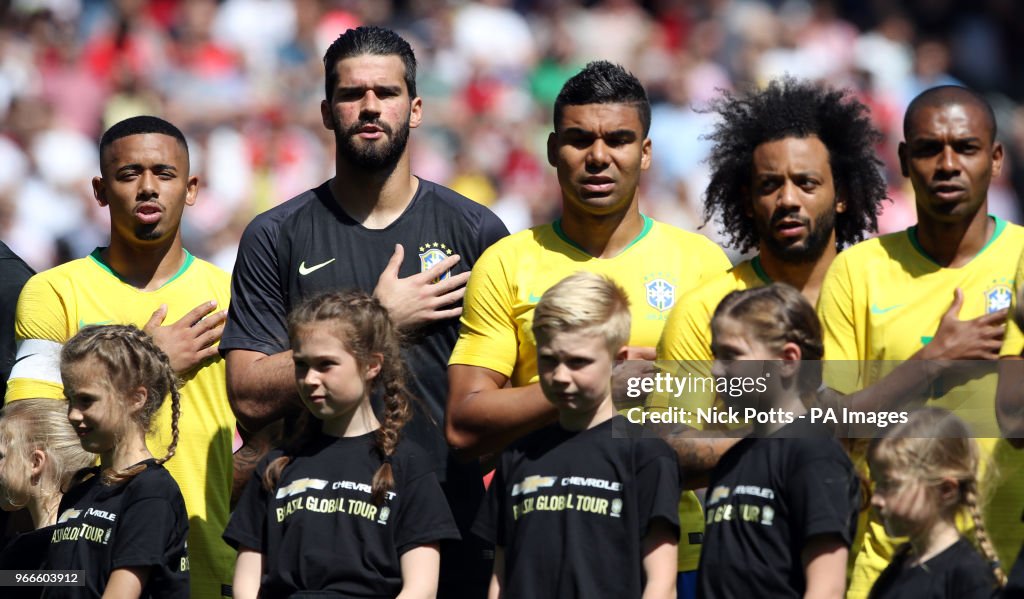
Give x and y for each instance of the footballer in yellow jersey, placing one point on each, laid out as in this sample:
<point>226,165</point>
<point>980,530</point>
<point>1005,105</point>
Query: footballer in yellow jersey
<point>58,302</point>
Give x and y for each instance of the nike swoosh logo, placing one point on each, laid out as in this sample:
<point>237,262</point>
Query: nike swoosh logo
<point>82,324</point>
<point>876,310</point>
<point>305,270</point>
<point>534,298</point>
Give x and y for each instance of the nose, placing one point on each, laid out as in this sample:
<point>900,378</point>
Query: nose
<point>789,196</point>
<point>947,160</point>
<point>560,374</point>
<point>74,415</point>
<point>371,105</point>
<point>877,501</point>
<point>598,157</point>
<point>147,185</point>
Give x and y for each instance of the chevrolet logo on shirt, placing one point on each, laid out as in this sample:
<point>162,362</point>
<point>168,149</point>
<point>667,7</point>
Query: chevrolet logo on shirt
<point>532,483</point>
<point>69,514</point>
<point>300,486</point>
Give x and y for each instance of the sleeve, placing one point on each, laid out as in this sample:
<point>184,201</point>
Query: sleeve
<point>490,522</point>
<point>1013,343</point>
<point>257,313</point>
<point>248,524</point>
<point>425,516</point>
<point>491,230</point>
<point>823,493</point>
<point>41,328</point>
<point>836,312</point>
<point>657,484</point>
<point>714,260</point>
<point>487,336</point>
<point>145,531</point>
<point>684,352</point>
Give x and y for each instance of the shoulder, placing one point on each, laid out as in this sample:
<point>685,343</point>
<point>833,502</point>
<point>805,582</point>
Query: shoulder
<point>155,482</point>
<point>882,246</point>
<point>444,197</point>
<point>212,273</point>
<point>669,234</point>
<point>411,461</point>
<point>268,224</point>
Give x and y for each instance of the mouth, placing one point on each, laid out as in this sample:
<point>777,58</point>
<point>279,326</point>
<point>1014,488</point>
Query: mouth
<point>370,131</point>
<point>790,227</point>
<point>598,185</point>
<point>82,432</point>
<point>948,191</point>
<point>148,213</point>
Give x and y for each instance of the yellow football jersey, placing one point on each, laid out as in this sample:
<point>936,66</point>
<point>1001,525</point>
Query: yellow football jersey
<point>1014,337</point>
<point>56,303</point>
<point>881,301</point>
<point>655,270</point>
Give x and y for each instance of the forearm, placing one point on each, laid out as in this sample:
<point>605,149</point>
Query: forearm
<point>909,383</point>
<point>261,388</point>
<point>484,422</point>
<point>1010,400</point>
<point>698,451</point>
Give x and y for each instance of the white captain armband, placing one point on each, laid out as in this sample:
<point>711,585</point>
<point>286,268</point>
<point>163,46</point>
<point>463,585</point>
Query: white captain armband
<point>37,359</point>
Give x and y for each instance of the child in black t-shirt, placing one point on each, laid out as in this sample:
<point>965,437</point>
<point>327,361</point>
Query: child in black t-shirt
<point>39,454</point>
<point>345,508</point>
<point>126,526</point>
<point>925,473</point>
<point>782,503</point>
<point>575,510</point>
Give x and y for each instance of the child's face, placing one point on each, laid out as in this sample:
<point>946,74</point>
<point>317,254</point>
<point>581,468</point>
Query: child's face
<point>330,381</point>
<point>575,370</point>
<point>13,492</point>
<point>905,504</point>
<point>738,354</point>
<point>96,410</point>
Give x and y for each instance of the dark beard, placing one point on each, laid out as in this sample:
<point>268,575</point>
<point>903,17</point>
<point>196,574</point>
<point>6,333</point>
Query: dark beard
<point>376,157</point>
<point>812,247</point>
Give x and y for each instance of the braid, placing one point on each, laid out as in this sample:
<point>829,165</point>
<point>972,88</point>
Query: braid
<point>175,418</point>
<point>396,413</point>
<point>306,428</point>
<point>970,493</point>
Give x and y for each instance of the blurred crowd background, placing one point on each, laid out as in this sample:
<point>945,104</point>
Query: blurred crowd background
<point>244,79</point>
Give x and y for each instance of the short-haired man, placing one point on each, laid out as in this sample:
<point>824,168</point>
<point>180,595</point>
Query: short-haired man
<point>376,227</point>
<point>144,277</point>
<point>599,149</point>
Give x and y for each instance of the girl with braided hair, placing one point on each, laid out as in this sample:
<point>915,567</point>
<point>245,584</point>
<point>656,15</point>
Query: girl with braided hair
<point>125,526</point>
<point>926,476</point>
<point>346,506</point>
<point>782,504</point>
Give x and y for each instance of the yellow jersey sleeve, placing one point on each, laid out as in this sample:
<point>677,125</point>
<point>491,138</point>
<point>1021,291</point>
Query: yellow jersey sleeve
<point>1013,343</point>
<point>836,311</point>
<point>487,337</point>
<point>40,328</point>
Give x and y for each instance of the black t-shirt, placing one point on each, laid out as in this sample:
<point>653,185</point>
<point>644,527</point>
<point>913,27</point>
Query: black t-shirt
<point>138,523</point>
<point>26,553</point>
<point>319,529</point>
<point>766,498</point>
<point>13,275</point>
<point>571,510</point>
<point>959,572</point>
<point>309,245</point>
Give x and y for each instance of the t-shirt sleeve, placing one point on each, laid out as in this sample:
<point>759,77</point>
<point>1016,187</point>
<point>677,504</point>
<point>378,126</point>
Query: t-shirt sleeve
<point>256,316</point>
<point>836,312</point>
<point>713,259</point>
<point>684,352</point>
<point>490,522</point>
<point>823,494</point>
<point>247,526</point>
<point>145,532</point>
<point>40,328</point>
<point>487,337</point>
<point>658,487</point>
<point>491,230</point>
<point>425,516</point>
<point>1013,343</point>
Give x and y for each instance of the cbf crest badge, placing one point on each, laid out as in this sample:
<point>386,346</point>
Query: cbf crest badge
<point>998,297</point>
<point>431,254</point>
<point>661,294</point>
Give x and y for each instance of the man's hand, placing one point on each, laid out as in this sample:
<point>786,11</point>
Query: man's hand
<point>639,362</point>
<point>976,339</point>
<point>191,340</point>
<point>417,299</point>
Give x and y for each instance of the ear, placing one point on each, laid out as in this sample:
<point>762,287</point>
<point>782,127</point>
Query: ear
<point>416,112</point>
<point>901,151</point>
<point>621,355</point>
<point>37,461</point>
<point>840,204</point>
<point>372,368</point>
<point>790,357</point>
<point>997,159</point>
<point>949,491</point>
<point>645,154</point>
<point>99,191</point>
<point>191,191</point>
<point>553,148</point>
<point>138,398</point>
<point>325,115</point>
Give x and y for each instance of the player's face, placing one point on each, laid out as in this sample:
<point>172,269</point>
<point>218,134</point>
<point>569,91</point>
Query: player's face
<point>599,151</point>
<point>331,382</point>
<point>905,504</point>
<point>370,111</point>
<point>146,184</point>
<point>950,158</point>
<point>575,370</point>
<point>97,412</point>
<point>793,198</point>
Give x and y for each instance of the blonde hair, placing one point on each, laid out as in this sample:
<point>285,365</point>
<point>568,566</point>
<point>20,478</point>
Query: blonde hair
<point>585,302</point>
<point>131,360</point>
<point>39,424</point>
<point>932,445</point>
<point>364,326</point>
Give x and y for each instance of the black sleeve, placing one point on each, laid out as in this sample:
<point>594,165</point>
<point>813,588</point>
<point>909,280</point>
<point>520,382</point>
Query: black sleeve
<point>256,316</point>
<point>824,496</point>
<point>248,524</point>
<point>425,516</point>
<point>490,521</point>
<point>491,230</point>
<point>658,487</point>
<point>145,531</point>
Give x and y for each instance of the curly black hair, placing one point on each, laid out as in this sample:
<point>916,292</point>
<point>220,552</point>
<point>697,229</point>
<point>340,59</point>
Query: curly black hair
<point>794,108</point>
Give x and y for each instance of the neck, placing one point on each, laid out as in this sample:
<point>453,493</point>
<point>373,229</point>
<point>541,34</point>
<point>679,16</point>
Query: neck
<point>952,245</point>
<point>581,421</point>
<point>359,421</point>
<point>43,509</point>
<point>806,277</point>
<point>789,404</point>
<point>129,451</point>
<point>146,266</point>
<point>375,199</point>
<point>605,235</point>
<point>933,540</point>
